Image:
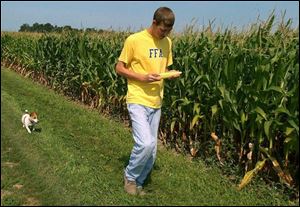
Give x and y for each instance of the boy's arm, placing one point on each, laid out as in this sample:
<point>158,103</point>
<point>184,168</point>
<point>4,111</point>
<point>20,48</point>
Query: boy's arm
<point>125,72</point>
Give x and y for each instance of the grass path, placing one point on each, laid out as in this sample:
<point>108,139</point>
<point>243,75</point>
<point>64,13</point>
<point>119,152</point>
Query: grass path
<point>77,158</point>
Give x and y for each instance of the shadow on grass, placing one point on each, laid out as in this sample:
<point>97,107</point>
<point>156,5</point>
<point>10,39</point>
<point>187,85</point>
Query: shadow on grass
<point>125,160</point>
<point>39,130</point>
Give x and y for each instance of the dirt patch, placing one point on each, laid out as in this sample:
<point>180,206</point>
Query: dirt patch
<point>9,164</point>
<point>18,186</point>
<point>31,202</point>
<point>5,193</point>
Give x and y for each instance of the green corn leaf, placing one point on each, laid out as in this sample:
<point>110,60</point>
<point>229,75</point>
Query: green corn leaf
<point>195,120</point>
<point>261,112</point>
<point>293,124</point>
<point>172,125</point>
<point>214,109</point>
<point>267,125</point>
<point>275,88</point>
<point>288,131</point>
<point>244,118</point>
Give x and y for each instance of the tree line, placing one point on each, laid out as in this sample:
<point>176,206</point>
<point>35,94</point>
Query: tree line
<point>36,27</point>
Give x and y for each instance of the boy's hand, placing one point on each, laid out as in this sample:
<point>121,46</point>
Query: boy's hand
<point>152,77</point>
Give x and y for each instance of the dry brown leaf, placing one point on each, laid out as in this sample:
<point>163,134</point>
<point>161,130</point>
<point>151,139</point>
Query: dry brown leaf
<point>184,139</point>
<point>284,176</point>
<point>193,151</point>
<point>214,136</point>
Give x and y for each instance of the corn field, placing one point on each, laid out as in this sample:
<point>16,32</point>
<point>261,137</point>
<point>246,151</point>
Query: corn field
<point>237,98</point>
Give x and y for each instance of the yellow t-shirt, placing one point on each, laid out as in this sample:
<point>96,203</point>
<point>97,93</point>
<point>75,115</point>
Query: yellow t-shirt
<point>144,54</point>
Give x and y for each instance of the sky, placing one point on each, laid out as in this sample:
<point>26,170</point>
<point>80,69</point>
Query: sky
<point>135,15</point>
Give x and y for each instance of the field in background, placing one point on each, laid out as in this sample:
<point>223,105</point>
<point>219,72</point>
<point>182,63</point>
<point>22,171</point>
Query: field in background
<point>77,158</point>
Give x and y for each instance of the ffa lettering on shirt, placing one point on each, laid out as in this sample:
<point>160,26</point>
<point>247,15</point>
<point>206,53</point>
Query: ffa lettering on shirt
<point>154,52</point>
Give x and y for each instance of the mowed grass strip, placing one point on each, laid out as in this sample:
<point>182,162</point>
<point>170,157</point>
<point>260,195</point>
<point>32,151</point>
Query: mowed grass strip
<point>77,157</point>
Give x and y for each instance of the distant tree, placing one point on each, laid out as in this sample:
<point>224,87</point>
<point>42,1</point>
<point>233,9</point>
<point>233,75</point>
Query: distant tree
<point>25,28</point>
<point>57,29</point>
<point>48,27</point>
<point>90,30</point>
<point>36,27</point>
<point>67,28</point>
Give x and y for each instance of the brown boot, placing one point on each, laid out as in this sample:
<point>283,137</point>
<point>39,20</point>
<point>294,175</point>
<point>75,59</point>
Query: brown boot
<point>130,186</point>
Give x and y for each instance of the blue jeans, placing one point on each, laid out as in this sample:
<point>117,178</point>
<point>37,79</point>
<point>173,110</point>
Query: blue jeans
<point>145,122</point>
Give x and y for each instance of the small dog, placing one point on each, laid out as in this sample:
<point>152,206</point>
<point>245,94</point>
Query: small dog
<point>29,120</point>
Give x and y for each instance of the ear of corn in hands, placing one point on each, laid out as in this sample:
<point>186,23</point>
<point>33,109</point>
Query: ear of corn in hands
<point>169,74</point>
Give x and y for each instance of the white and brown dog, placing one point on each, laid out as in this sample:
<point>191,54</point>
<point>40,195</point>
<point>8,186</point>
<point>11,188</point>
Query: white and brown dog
<point>29,120</point>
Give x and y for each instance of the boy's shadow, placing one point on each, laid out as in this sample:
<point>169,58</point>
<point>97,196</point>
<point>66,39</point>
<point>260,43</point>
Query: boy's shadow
<point>125,160</point>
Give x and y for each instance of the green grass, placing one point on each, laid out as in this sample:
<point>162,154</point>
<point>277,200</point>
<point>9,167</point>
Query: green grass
<point>77,158</point>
